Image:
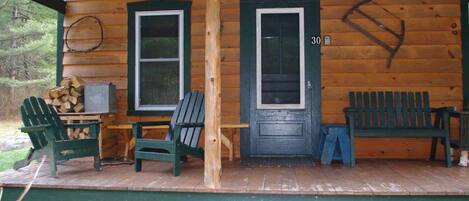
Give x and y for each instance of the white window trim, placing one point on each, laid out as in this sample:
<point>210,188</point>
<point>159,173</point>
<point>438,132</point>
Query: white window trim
<point>138,15</point>
<point>259,13</point>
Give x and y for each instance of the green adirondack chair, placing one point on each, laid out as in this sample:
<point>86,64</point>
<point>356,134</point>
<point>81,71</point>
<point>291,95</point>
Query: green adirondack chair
<point>49,136</point>
<point>182,138</point>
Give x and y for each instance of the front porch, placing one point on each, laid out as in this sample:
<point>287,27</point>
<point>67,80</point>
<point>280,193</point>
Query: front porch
<point>370,178</point>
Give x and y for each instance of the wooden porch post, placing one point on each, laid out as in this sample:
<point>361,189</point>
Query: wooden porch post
<point>212,166</point>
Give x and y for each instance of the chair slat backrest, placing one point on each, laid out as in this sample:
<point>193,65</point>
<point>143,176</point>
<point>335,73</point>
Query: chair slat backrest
<point>189,110</point>
<point>391,109</point>
<point>35,111</point>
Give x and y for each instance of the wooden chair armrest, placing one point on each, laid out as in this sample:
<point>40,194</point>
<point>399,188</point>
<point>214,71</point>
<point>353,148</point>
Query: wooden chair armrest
<point>151,123</point>
<point>137,127</point>
<point>45,129</point>
<point>190,125</point>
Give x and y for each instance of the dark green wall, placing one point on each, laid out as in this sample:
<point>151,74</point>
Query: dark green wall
<point>465,49</point>
<point>60,47</point>
<point>11,194</point>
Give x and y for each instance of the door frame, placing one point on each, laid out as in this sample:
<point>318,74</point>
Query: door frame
<point>248,59</point>
<point>465,50</point>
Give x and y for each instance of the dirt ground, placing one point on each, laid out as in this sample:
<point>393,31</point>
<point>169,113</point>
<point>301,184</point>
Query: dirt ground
<point>9,129</point>
<point>11,137</point>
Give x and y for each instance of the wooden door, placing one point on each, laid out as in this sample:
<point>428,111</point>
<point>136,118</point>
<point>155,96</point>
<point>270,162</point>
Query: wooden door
<point>284,79</point>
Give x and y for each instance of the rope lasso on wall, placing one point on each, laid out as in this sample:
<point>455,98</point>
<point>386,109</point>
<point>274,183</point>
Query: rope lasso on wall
<point>100,24</point>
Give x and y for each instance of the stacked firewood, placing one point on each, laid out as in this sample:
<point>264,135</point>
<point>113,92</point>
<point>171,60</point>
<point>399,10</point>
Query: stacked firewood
<point>79,133</point>
<point>68,96</point>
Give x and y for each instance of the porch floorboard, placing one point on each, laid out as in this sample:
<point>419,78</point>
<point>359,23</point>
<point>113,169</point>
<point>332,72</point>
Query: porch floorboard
<point>370,177</point>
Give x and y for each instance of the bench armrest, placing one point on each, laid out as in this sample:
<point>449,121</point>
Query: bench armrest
<point>443,109</point>
<point>442,116</point>
<point>349,110</point>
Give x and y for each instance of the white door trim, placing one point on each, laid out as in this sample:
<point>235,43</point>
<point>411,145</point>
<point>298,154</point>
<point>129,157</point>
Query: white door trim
<point>259,13</point>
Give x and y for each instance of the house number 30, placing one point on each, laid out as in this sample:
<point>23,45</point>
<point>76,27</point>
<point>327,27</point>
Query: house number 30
<point>316,40</point>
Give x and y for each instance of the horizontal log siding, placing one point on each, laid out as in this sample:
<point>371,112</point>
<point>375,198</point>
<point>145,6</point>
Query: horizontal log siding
<point>430,59</point>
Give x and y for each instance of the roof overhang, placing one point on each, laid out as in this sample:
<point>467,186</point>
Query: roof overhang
<point>58,5</point>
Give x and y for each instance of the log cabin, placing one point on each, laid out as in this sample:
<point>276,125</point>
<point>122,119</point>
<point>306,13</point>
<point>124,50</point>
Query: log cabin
<point>284,68</point>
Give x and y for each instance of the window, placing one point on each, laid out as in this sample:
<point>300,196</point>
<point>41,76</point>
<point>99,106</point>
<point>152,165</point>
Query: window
<point>280,58</point>
<point>158,57</point>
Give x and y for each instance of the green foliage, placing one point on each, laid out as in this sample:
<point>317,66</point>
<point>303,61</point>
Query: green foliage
<point>27,51</point>
<point>27,43</point>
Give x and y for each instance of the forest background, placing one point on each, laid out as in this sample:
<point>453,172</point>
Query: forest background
<point>27,53</point>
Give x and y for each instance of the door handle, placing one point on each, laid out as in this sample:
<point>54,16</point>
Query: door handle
<point>308,84</point>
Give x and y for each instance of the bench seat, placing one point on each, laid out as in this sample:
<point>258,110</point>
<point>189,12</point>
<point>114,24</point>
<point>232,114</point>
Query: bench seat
<point>400,132</point>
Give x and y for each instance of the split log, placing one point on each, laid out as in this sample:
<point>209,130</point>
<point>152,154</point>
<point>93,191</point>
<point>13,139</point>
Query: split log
<point>79,107</point>
<point>62,109</point>
<point>66,82</point>
<point>67,105</point>
<point>56,102</point>
<point>48,101</point>
<point>75,92</point>
<point>77,83</point>
<point>75,133</point>
<point>65,98</point>
<point>72,99</point>
<point>57,92</point>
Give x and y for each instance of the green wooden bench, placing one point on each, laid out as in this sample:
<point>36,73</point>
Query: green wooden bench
<point>182,138</point>
<point>396,114</point>
<point>49,137</point>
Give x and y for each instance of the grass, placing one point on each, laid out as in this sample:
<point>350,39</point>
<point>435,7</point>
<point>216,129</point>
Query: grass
<point>8,158</point>
<point>9,130</point>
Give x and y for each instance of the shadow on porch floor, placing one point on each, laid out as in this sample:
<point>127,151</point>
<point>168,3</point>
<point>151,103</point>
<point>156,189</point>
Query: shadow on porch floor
<point>370,177</point>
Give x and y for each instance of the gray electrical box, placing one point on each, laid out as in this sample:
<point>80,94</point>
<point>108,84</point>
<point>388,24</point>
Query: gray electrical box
<point>100,98</point>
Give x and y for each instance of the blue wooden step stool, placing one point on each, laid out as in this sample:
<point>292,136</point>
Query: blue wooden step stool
<point>335,144</point>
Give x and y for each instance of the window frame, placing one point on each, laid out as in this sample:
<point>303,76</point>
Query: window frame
<point>180,59</point>
<point>154,8</point>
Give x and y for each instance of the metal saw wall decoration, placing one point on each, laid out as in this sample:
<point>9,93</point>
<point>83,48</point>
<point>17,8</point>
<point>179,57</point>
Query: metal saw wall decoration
<point>399,35</point>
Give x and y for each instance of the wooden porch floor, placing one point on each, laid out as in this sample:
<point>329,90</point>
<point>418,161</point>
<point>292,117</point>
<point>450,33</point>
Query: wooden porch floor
<point>370,177</point>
